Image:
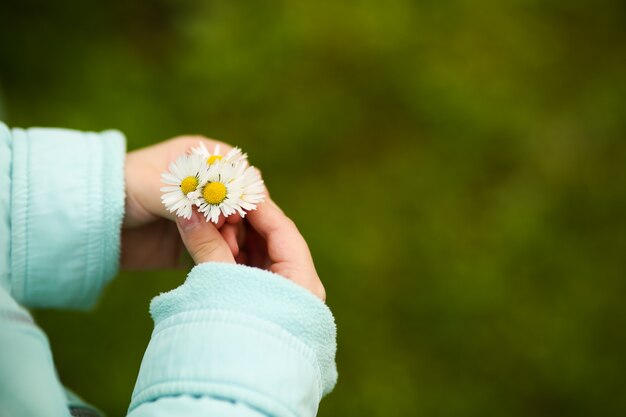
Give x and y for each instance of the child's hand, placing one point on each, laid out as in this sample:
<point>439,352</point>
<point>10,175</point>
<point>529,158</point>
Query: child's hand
<point>267,239</point>
<point>149,236</point>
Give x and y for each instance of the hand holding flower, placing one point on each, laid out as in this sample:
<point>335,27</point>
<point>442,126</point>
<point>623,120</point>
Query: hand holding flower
<point>266,239</point>
<point>150,239</point>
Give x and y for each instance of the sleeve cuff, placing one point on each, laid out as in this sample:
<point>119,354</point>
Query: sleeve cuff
<point>67,207</point>
<point>244,335</point>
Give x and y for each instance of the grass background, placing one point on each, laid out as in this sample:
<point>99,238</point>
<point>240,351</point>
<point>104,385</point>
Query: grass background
<point>456,166</point>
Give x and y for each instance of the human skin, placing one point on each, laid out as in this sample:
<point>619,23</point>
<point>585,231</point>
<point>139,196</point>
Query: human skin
<point>153,238</point>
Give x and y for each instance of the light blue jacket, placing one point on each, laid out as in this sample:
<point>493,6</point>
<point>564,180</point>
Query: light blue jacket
<point>231,341</point>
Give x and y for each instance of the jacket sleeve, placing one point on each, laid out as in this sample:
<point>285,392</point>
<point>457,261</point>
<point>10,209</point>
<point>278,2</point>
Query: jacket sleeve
<point>62,202</point>
<point>28,380</point>
<point>236,341</point>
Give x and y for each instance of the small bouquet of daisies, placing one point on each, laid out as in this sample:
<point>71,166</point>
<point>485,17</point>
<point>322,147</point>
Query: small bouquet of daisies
<point>215,183</point>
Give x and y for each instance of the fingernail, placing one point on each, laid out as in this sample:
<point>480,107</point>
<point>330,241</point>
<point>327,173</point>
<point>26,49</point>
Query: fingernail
<point>188,224</point>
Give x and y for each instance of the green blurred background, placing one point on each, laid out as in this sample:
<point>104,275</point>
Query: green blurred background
<point>456,166</point>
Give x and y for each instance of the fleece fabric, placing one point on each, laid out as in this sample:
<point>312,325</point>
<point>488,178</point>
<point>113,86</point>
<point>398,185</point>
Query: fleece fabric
<point>62,200</point>
<point>286,369</point>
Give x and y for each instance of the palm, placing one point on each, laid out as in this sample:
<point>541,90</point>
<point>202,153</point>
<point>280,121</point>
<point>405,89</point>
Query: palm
<point>153,245</point>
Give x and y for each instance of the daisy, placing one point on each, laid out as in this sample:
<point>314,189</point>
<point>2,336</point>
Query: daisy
<point>226,188</point>
<point>252,189</point>
<point>233,156</point>
<point>182,184</point>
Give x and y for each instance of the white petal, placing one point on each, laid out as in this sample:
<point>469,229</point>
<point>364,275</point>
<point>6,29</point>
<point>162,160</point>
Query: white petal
<point>168,178</point>
<point>169,188</point>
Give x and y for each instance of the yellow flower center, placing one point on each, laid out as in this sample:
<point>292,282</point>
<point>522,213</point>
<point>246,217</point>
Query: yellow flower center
<point>213,158</point>
<point>214,192</point>
<point>188,185</point>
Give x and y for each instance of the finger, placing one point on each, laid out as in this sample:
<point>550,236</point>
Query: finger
<point>286,248</point>
<point>229,232</point>
<point>255,248</point>
<point>242,258</point>
<point>202,239</point>
<point>220,221</point>
<point>284,241</point>
<point>233,218</point>
<point>241,233</point>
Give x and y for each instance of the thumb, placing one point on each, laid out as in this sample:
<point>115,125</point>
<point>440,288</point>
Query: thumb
<point>202,239</point>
